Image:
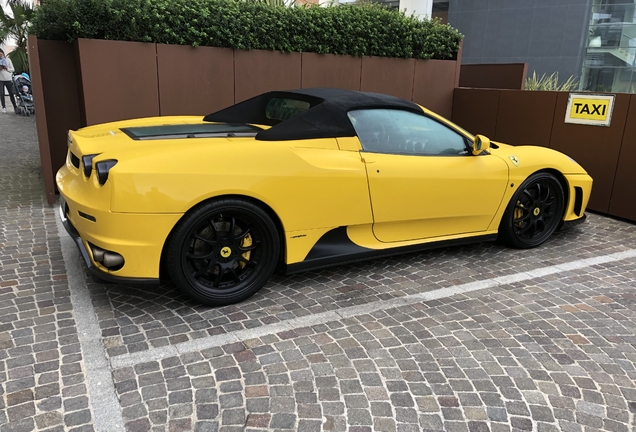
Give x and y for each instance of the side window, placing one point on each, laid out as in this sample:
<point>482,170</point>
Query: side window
<point>405,132</point>
<point>283,109</point>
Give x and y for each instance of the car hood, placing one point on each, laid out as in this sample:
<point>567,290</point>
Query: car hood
<point>534,158</point>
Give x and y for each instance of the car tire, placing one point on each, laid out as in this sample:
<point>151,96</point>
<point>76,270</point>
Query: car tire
<point>223,251</point>
<point>534,212</point>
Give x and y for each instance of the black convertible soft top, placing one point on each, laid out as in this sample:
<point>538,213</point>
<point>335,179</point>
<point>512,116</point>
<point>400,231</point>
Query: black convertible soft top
<point>324,117</point>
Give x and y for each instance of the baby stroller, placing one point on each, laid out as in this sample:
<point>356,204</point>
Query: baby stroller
<point>23,94</point>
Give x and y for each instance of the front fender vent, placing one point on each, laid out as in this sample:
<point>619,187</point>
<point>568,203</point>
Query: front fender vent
<point>578,200</point>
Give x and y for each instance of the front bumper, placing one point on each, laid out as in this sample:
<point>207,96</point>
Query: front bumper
<point>96,272</point>
<point>572,223</point>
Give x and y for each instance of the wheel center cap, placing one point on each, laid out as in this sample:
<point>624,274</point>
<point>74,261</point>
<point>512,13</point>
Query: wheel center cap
<point>536,211</point>
<point>226,252</point>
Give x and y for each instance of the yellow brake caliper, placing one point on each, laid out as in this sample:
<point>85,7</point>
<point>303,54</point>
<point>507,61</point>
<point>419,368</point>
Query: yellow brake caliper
<point>518,214</point>
<point>247,242</point>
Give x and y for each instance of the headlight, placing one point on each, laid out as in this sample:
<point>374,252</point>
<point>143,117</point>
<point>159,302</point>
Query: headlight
<point>102,168</point>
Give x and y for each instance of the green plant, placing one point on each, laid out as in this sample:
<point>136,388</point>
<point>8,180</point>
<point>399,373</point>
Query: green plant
<point>361,30</point>
<point>551,82</point>
<point>15,25</point>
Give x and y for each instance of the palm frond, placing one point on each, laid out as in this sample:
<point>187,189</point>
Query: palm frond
<point>14,24</point>
<point>20,60</point>
<point>551,82</point>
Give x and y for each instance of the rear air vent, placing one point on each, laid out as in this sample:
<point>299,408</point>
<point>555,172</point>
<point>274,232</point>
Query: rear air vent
<point>87,216</point>
<point>75,161</point>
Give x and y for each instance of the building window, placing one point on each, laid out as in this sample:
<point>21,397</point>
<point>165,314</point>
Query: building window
<point>440,10</point>
<point>609,64</point>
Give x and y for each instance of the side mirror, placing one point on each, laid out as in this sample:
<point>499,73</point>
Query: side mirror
<point>480,144</point>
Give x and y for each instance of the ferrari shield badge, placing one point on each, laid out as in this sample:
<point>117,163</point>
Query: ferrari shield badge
<point>514,160</point>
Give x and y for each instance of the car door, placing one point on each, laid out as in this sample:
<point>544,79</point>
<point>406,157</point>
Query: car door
<point>423,181</point>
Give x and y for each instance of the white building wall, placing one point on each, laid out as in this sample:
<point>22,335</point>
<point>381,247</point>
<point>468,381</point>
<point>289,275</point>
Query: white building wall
<point>420,8</point>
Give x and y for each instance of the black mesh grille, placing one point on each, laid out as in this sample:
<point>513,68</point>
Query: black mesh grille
<point>75,161</point>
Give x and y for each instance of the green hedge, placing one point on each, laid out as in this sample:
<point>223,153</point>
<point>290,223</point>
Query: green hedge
<point>360,30</point>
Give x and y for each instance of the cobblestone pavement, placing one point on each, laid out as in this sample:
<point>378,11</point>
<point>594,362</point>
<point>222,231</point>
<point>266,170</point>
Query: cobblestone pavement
<point>41,370</point>
<point>475,338</point>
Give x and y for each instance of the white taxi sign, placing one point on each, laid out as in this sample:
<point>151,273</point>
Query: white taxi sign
<point>589,109</point>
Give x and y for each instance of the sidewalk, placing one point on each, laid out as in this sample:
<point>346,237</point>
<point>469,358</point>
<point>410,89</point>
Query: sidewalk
<point>474,338</point>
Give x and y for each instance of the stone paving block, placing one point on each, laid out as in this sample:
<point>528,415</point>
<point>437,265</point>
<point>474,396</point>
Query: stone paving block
<point>556,352</point>
<point>33,297</point>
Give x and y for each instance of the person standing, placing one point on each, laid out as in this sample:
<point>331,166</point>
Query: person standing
<point>6,69</point>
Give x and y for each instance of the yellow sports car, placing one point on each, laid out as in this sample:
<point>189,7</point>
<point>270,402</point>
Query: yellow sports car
<point>297,180</point>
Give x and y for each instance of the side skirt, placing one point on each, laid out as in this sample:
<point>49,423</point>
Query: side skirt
<point>335,248</point>
<point>566,225</point>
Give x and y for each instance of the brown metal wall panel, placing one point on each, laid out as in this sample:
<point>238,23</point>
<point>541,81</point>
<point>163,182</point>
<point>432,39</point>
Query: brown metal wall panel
<point>458,62</point>
<point>476,110</point>
<point>525,117</point>
<point>98,81</point>
<point>52,67</point>
<point>330,70</point>
<point>623,199</point>
<point>596,148</point>
<point>443,16</point>
<point>258,71</point>
<point>497,76</point>
<point>195,81</point>
<point>40,120</point>
<point>388,75</point>
<point>119,79</point>
<point>434,85</point>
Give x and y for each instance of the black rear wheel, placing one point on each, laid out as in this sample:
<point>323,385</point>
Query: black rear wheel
<point>223,251</point>
<point>534,212</point>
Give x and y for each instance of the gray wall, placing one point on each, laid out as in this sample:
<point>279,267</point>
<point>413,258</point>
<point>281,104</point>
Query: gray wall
<point>550,35</point>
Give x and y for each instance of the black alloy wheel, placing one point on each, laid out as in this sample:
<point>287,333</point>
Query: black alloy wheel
<point>534,212</point>
<point>223,251</point>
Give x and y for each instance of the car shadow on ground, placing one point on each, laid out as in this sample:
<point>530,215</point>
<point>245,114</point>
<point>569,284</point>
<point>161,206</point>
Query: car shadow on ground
<point>137,319</point>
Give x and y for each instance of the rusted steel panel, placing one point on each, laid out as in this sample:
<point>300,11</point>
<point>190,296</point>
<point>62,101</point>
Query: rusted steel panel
<point>194,81</point>
<point>118,79</point>
<point>525,117</point>
<point>56,99</point>
<point>330,70</point>
<point>476,110</point>
<point>623,199</point>
<point>596,148</point>
<point>497,76</point>
<point>258,71</point>
<point>388,75</point>
<point>434,85</point>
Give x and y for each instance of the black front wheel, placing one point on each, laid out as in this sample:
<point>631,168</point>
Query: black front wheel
<point>223,251</point>
<point>534,212</point>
